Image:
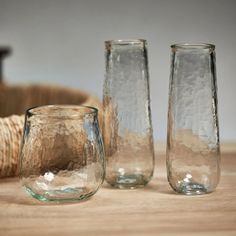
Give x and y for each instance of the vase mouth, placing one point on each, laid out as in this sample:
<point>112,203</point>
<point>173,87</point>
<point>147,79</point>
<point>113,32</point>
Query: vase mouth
<point>125,41</point>
<point>193,46</point>
<point>62,111</point>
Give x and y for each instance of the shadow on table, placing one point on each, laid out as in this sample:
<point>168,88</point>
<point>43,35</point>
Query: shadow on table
<point>11,192</point>
<point>157,184</point>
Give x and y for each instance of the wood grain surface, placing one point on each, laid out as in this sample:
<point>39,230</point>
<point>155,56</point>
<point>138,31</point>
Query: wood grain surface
<point>153,210</point>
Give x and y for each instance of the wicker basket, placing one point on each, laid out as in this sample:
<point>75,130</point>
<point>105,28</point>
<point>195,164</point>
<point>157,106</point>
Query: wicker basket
<point>14,100</point>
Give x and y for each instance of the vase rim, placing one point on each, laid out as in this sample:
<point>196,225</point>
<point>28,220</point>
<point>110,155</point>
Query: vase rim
<point>193,46</point>
<point>125,41</point>
<point>55,111</point>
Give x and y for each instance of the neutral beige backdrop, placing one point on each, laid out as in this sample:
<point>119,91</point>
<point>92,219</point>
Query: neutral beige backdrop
<point>61,41</point>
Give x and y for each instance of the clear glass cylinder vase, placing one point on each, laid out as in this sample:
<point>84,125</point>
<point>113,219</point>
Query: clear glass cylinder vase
<point>193,151</point>
<point>127,128</point>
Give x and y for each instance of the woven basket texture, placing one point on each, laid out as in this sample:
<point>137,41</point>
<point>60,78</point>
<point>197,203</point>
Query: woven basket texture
<point>14,101</point>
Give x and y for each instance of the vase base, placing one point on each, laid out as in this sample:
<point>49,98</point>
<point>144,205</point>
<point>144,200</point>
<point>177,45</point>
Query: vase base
<point>128,181</point>
<point>192,188</point>
<point>53,196</point>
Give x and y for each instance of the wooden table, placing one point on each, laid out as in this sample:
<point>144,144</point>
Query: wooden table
<point>153,210</point>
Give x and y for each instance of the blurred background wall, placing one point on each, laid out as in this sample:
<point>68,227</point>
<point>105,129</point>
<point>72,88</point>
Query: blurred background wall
<point>62,42</point>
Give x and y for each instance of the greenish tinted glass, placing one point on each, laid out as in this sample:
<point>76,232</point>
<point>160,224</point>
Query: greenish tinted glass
<point>193,149</point>
<point>127,125</point>
<point>62,157</point>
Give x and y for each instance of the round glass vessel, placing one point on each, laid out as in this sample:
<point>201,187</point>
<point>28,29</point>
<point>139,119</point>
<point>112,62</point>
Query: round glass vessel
<point>193,147</point>
<point>62,156</point>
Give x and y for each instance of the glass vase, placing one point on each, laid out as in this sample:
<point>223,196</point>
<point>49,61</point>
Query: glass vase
<point>193,150</point>
<point>127,126</point>
<point>62,156</point>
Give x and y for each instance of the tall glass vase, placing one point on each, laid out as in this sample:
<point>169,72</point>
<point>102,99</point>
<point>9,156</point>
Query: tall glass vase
<point>127,128</point>
<point>193,152</point>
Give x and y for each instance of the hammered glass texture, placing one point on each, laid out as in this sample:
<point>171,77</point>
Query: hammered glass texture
<point>127,118</point>
<point>193,153</point>
<point>62,157</point>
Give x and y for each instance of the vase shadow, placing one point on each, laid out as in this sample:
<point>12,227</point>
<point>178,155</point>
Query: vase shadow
<point>12,192</point>
<point>157,184</point>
